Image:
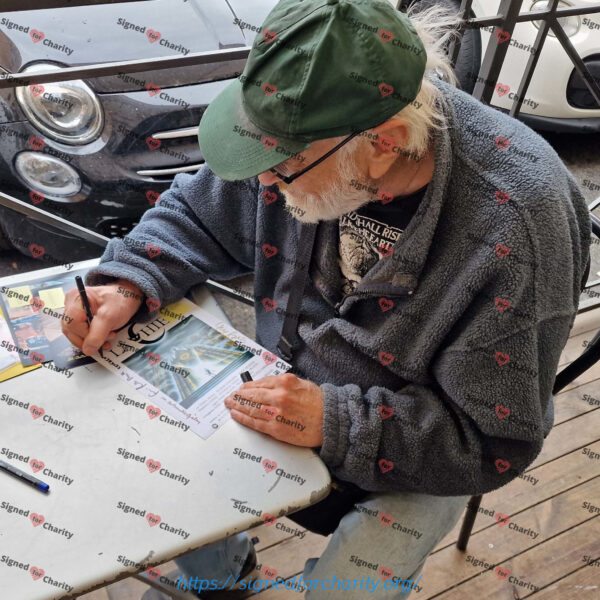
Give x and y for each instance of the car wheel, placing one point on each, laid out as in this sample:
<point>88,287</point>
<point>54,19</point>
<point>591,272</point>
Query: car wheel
<point>469,57</point>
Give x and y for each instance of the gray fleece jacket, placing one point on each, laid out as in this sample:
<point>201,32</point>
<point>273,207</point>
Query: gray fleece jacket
<point>445,386</point>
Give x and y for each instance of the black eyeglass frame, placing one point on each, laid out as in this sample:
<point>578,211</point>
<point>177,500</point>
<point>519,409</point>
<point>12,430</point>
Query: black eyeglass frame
<point>289,178</point>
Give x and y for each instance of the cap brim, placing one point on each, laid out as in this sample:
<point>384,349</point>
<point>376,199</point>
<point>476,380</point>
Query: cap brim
<point>233,147</point>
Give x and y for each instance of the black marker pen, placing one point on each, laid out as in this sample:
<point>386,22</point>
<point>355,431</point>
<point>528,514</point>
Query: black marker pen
<point>86,304</point>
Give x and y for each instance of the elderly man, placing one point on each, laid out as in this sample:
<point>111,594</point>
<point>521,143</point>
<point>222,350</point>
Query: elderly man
<point>428,252</point>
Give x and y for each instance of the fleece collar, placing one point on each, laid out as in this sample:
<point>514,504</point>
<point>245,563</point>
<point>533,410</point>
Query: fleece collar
<point>398,274</point>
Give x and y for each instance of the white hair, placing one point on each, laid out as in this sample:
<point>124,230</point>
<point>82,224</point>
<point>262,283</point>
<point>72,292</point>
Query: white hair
<point>434,26</point>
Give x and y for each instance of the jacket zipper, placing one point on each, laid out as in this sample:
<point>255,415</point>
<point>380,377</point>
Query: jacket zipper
<point>408,292</point>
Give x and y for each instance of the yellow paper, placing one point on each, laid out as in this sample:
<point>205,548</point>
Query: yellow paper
<point>174,312</point>
<point>53,297</point>
<point>15,302</point>
<point>17,369</point>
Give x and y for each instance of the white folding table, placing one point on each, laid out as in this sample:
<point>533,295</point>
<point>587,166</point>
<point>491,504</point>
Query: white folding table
<point>174,492</point>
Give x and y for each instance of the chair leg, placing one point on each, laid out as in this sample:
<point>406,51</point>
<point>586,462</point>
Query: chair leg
<point>468,521</point>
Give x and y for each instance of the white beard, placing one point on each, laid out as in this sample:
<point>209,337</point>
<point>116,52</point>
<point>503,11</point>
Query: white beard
<point>330,203</point>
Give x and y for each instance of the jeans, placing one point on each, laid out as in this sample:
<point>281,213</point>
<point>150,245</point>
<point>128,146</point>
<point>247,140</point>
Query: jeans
<point>386,537</point>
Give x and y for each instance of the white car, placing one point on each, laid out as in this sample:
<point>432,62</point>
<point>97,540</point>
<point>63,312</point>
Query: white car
<point>557,98</point>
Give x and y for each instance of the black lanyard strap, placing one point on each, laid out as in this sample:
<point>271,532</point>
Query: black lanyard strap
<point>298,284</point>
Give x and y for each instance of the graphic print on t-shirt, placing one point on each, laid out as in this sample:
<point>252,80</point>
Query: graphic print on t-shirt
<point>359,245</point>
<point>374,227</point>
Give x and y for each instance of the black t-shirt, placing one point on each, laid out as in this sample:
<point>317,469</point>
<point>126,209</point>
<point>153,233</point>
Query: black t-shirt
<point>365,234</point>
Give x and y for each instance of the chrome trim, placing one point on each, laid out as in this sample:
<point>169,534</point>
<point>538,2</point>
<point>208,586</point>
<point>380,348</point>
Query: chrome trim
<point>175,133</point>
<point>50,219</point>
<point>169,135</point>
<point>171,171</point>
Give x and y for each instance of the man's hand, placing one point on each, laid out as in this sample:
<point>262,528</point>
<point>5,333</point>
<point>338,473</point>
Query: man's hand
<point>112,306</point>
<point>285,407</point>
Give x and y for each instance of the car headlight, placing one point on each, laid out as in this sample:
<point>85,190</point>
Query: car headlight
<point>48,174</point>
<point>571,25</point>
<point>67,111</point>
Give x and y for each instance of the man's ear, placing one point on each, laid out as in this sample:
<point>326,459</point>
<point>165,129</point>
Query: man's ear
<point>392,136</point>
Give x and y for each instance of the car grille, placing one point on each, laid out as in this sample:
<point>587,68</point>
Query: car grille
<point>168,172</point>
<point>116,227</point>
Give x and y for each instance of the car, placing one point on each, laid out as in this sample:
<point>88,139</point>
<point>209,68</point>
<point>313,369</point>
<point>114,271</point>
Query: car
<point>557,98</point>
<point>99,152</point>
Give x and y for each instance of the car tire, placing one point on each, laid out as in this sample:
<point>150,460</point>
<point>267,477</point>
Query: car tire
<point>469,57</point>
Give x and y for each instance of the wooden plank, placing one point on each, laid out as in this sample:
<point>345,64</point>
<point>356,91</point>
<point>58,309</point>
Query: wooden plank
<point>497,544</point>
<point>126,589</point>
<point>101,594</point>
<point>272,534</point>
<point>286,560</point>
<point>522,577</point>
<point>576,345</point>
<point>558,555</point>
<point>586,321</point>
<point>553,478</point>
<point>290,553</point>
<point>576,402</point>
<point>591,374</point>
<point>583,584</point>
<point>569,436</point>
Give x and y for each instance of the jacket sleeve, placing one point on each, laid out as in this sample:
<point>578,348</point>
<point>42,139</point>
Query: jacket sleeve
<point>475,427</point>
<point>191,234</point>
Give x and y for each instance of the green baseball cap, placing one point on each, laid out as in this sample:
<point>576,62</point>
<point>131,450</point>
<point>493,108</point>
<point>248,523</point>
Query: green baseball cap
<point>317,69</point>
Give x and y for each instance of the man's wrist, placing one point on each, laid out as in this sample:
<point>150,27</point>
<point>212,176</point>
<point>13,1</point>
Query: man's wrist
<point>135,291</point>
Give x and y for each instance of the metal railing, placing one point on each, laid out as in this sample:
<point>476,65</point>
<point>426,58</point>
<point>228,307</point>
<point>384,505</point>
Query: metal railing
<point>509,14</point>
<point>19,5</point>
<point>9,80</point>
<point>505,21</point>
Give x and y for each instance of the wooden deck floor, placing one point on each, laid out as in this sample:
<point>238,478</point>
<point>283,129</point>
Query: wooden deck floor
<point>551,567</point>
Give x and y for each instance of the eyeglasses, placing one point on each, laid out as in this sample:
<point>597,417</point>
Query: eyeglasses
<point>289,178</point>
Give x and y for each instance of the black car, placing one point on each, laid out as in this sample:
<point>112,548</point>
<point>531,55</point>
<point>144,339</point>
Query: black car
<point>99,152</point>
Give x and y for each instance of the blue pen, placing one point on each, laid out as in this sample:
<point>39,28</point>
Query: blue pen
<point>25,477</point>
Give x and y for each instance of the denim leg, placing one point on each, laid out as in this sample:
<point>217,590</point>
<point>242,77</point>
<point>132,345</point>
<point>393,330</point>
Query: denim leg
<point>218,560</point>
<point>389,544</point>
